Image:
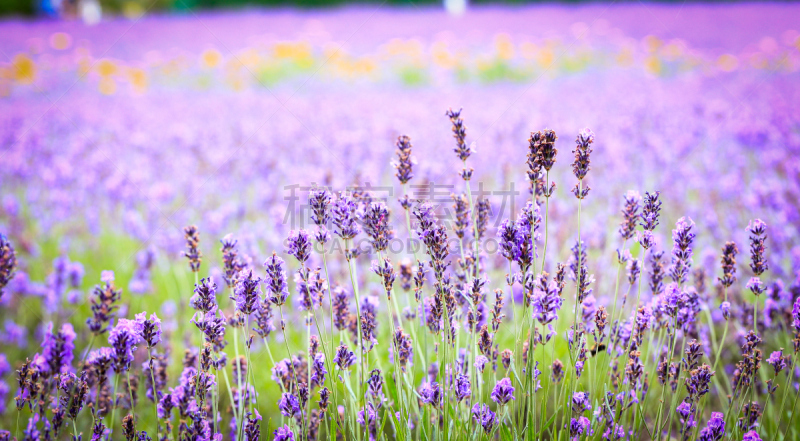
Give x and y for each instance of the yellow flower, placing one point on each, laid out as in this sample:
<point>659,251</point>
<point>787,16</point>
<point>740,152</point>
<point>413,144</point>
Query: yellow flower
<point>546,58</point>
<point>503,46</point>
<point>106,68</point>
<point>653,65</point>
<point>442,56</point>
<point>24,69</point>
<point>211,58</point>
<point>138,79</point>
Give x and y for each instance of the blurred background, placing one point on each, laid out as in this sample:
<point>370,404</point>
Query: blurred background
<point>75,8</point>
<point>70,9</point>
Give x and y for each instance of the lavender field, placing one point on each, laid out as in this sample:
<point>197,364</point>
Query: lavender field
<point>542,223</point>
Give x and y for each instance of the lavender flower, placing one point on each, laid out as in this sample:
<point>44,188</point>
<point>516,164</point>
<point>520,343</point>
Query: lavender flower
<point>368,416</point>
<point>751,436</point>
<point>322,235</point>
<point>646,239</point>
<point>404,161</point>
<point>14,334</point>
<point>503,391</point>
<point>530,216</point>
<point>252,426</point>
<point>264,318</point>
<point>150,329</point>
<point>230,259</point>
<point>434,237</point>
<point>289,405</point>
<point>682,238</point>
<point>650,211</point>
<point>580,166</point>
<point>385,271</point>
<point>459,133</point>
<point>8,262</point>
<point>103,304</point>
<point>509,246</point>
<point>537,384</point>
<point>193,247</point>
<point>341,308</point>
<point>725,307</point>
<point>430,393</point>
<point>376,225</point>
<point>546,301</point>
<point>758,236</point>
<point>324,399</point>
<point>345,216</point>
<point>579,427</point>
<point>715,429</point>
<point>98,431</point>
<point>276,280</point>
<point>545,146</point>
<point>318,370</point>
<point>729,252</point>
<point>686,411</point>
<point>461,211</point>
<point>319,200</point>
<point>300,245</point>
<point>580,403</point>
<point>344,358</point>
<point>57,349</point>
<point>463,388</point>
<point>796,314</point>
<point>246,294</point>
<point>123,339</point>
<point>283,433</point>
<point>630,214</point>
<point>505,358</point>
<point>580,272</point>
<point>484,416</point>
<point>534,161</point>
<point>756,286</point>
<point>484,210</point>
<point>368,325</point>
<point>76,391</point>
<point>698,382</point>
<point>480,363</point>
<point>213,328</point>
<point>778,362</point>
<point>405,348</point>
<point>204,298</point>
<point>614,433</point>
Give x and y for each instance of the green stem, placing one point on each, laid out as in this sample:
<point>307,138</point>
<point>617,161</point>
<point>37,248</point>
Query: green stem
<point>791,418</point>
<point>289,353</point>
<point>546,217</point>
<point>578,274</point>
<point>755,314</point>
<point>130,391</point>
<point>360,333</point>
<point>239,407</point>
<point>789,376</point>
<point>114,397</point>
<point>675,395</point>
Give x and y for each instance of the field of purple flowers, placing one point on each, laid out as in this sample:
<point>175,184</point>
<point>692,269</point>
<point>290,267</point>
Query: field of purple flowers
<point>551,223</point>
